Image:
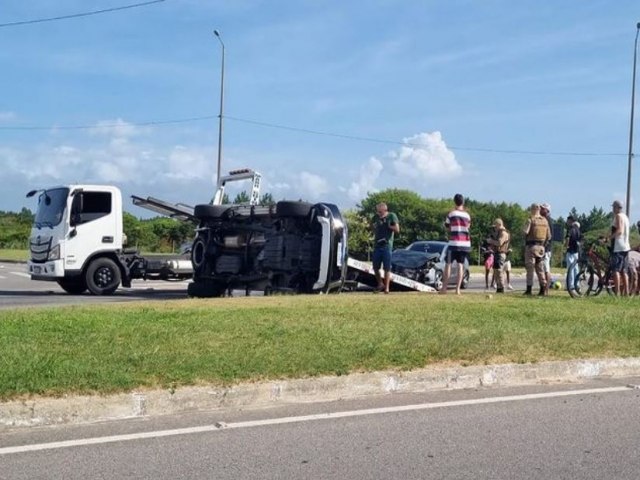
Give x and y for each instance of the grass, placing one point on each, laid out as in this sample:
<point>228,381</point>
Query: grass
<point>14,255</point>
<point>224,341</point>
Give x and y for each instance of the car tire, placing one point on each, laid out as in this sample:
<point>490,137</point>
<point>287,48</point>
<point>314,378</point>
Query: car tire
<point>74,286</point>
<point>437,280</point>
<point>465,280</point>
<point>206,211</point>
<point>293,209</point>
<point>103,276</point>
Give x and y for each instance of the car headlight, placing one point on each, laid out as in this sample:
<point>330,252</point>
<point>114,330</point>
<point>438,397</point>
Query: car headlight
<point>54,253</point>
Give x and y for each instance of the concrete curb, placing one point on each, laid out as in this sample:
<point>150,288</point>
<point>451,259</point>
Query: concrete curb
<point>86,409</point>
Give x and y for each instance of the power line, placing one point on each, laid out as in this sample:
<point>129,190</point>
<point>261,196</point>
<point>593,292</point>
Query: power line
<point>395,142</point>
<point>108,125</point>
<point>76,15</point>
<point>307,131</point>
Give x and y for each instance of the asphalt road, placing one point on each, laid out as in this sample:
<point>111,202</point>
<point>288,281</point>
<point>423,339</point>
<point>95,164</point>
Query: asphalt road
<point>18,290</point>
<point>585,431</point>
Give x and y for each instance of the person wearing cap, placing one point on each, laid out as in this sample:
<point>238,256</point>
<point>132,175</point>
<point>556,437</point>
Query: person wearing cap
<point>537,234</point>
<point>499,241</point>
<point>545,211</point>
<point>572,244</point>
<point>620,250</point>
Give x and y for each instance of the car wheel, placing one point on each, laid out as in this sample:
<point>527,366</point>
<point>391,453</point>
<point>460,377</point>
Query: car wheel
<point>437,280</point>
<point>465,280</point>
<point>293,209</point>
<point>103,276</point>
<point>74,287</point>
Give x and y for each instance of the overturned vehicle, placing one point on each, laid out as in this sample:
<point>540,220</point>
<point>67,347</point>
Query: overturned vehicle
<point>291,247</point>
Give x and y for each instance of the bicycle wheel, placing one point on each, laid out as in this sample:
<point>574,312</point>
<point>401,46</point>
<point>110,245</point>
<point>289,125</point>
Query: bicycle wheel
<point>580,282</point>
<point>607,282</point>
<point>594,283</point>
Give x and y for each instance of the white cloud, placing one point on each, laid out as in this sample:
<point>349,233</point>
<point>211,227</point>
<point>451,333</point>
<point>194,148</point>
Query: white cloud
<point>118,128</point>
<point>312,186</point>
<point>186,163</point>
<point>427,157</point>
<point>369,173</point>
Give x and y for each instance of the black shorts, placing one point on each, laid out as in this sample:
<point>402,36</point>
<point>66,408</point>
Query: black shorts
<point>619,261</point>
<point>455,255</point>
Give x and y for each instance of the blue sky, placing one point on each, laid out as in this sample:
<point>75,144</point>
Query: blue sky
<point>440,88</point>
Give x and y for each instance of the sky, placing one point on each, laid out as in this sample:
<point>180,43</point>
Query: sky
<point>329,100</point>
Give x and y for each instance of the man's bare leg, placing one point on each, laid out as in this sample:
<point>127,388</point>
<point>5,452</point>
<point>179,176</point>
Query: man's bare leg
<point>387,281</point>
<point>445,278</point>
<point>460,273</point>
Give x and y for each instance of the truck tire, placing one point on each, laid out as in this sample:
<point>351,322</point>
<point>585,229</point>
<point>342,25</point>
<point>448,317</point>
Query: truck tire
<point>209,211</point>
<point>102,276</point>
<point>205,289</point>
<point>293,209</point>
<point>74,286</point>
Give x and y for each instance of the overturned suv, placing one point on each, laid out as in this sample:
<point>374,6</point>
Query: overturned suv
<point>292,247</point>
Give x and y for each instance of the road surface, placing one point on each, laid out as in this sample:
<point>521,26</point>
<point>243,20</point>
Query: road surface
<point>585,431</point>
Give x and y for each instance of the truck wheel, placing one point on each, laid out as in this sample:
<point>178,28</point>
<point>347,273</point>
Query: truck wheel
<point>209,211</point>
<point>74,287</point>
<point>103,276</point>
<point>293,209</point>
<point>205,289</point>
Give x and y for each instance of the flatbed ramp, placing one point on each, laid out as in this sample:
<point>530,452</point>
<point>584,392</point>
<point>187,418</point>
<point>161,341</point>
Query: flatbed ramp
<point>367,269</point>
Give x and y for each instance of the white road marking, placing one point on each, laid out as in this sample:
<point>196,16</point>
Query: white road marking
<point>21,274</point>
<point>2,278</point>
<point>303,418</point>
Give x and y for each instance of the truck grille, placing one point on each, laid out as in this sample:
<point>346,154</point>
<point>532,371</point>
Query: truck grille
<point>40,249</point>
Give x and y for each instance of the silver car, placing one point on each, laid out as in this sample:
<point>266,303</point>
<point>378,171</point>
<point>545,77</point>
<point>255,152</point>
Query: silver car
<point>424,261</point>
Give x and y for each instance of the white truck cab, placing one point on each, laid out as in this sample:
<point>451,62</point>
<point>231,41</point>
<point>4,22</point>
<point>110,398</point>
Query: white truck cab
<point>78,230</point>
<point>77,240</point>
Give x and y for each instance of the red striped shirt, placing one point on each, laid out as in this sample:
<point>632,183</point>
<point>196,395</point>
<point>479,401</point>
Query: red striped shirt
<point>458,223</point>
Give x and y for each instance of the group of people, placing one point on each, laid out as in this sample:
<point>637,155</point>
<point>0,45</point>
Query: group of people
<point>624,262</point>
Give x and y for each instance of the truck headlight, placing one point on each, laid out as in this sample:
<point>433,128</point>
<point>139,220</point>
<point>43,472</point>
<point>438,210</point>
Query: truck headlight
<point>54,253</point>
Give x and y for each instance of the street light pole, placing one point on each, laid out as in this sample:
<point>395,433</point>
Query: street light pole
<point>633,101</point>
<point>217,34</point>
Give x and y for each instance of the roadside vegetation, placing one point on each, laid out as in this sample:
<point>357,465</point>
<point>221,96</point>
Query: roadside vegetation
<point>103,349</point>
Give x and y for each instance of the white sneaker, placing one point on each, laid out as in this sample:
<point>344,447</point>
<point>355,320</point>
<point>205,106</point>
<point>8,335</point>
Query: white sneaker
<point>509,287</point>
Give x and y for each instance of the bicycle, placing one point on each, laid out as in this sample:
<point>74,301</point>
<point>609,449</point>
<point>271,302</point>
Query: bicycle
<point>594,272</point>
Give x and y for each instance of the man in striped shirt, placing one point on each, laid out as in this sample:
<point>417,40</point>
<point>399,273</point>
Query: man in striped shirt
<point>458,222</point>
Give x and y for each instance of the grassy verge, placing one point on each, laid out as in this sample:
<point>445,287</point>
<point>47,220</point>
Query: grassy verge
<point>105,349</point>
<point>13,255</point>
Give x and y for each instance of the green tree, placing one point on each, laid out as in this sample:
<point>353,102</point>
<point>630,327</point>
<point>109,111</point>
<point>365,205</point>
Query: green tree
<point>360,238</point>
<point>241,198</point>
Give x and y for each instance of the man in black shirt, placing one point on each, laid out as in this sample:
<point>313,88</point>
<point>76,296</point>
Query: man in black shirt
<point>572,244</point>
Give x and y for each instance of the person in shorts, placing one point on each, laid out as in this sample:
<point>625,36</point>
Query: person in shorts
<point>385,225</point>
<point>457,223</point>
<point>487,260</point>
<point>620,249</point>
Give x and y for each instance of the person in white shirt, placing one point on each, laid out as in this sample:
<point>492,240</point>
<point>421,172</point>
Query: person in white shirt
<point>620,249</point>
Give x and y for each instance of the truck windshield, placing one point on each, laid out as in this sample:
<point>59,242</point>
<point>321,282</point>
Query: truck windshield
<point>51,206</point>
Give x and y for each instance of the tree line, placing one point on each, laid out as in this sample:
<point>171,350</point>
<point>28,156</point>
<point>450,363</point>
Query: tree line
<point>420,219</point>
<point>423,219</point>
